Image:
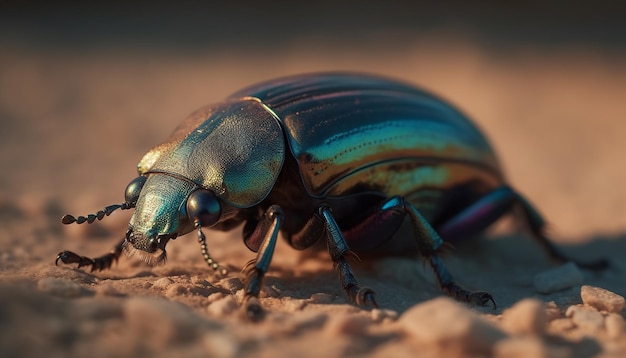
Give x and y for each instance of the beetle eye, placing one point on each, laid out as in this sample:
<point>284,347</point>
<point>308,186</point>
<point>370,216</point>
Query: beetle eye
<point>134,189</point>
<point>203,207</point>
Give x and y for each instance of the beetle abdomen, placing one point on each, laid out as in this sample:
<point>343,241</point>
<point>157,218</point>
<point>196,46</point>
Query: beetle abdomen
<point>347,130</point>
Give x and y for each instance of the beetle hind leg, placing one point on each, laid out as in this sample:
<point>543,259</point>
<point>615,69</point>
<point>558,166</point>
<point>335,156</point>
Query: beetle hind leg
<point>429,244</point>
<point>494,205</point>
<point>536,224</point>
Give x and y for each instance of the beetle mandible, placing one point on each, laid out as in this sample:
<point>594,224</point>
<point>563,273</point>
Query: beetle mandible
<point>344,158</point>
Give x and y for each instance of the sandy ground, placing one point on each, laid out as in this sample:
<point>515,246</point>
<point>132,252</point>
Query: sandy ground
<point>75,125</point>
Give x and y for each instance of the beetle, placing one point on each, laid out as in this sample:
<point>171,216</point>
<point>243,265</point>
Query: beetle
<point>339,157</point>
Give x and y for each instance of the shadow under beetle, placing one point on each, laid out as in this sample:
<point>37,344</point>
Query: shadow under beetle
<point>344,158</point>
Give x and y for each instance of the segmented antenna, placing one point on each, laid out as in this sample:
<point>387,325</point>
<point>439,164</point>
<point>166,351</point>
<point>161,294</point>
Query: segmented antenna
<point>69,219</point>
<point>205,252</point>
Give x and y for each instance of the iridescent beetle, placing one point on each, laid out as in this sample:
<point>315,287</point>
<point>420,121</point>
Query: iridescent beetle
<point>344,158</point>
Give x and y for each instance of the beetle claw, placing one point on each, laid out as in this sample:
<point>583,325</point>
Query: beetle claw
<point>366,296</point>
<point>253,309</point>
<point>481,298</point>
<point>68,257</point>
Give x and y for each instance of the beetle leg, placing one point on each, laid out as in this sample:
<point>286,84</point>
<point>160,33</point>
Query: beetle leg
<point>311,233</point>
<point>536,225</point>
<point>494,205</point>
<point>255,270</point>
<point>429,243</point>
<point>338,249</point>
<point>98,264</point>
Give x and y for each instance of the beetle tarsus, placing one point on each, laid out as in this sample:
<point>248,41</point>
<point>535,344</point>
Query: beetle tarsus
<point>478,298</point>
<point>68,257</point>
<point>255,269</point>
<point>481,298</point>
<point>253,309</point>
<point>365,296</point>
<point>98,264</point>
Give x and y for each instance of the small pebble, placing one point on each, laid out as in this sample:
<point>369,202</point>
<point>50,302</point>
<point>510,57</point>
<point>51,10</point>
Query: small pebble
<point>444,322</point>
<point>60,287</point>
<point>527,316</point>
<point>322,298</point>
<point>223,307</point>
<point>176,290</point>
<point>557,279</point>
<point>552,311</point>
<point>162,283</point>
<point>602,299</point>
<point>379,315</point>
<point>269,291</point>
<point>232,284</point>
<point>585,318</point>
<point>615,325</point>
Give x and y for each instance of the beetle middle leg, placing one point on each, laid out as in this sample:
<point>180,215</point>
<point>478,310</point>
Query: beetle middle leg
<point>320,224</point>
<point>265,233</point>
<point>383,223</point>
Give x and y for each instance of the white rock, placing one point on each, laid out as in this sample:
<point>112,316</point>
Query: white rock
<point>527,316</point>
<point>443,322</point>
<point>602,299</point>
<point>558,279</point>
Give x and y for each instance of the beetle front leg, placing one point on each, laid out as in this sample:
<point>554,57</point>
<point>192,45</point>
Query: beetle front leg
<point>98,264</point>
<point>339,250</point>
<point>267,231</point>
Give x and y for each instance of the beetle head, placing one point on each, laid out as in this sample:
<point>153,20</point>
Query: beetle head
<point>166,206</point>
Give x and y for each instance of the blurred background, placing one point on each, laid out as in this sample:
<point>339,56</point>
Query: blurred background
<point>86,90</point>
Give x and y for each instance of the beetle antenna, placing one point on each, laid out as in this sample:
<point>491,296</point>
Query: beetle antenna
<point>69,219</point>
<point>205,252</point>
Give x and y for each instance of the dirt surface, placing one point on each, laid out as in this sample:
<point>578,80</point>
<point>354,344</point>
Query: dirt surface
<point>75,124</point>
